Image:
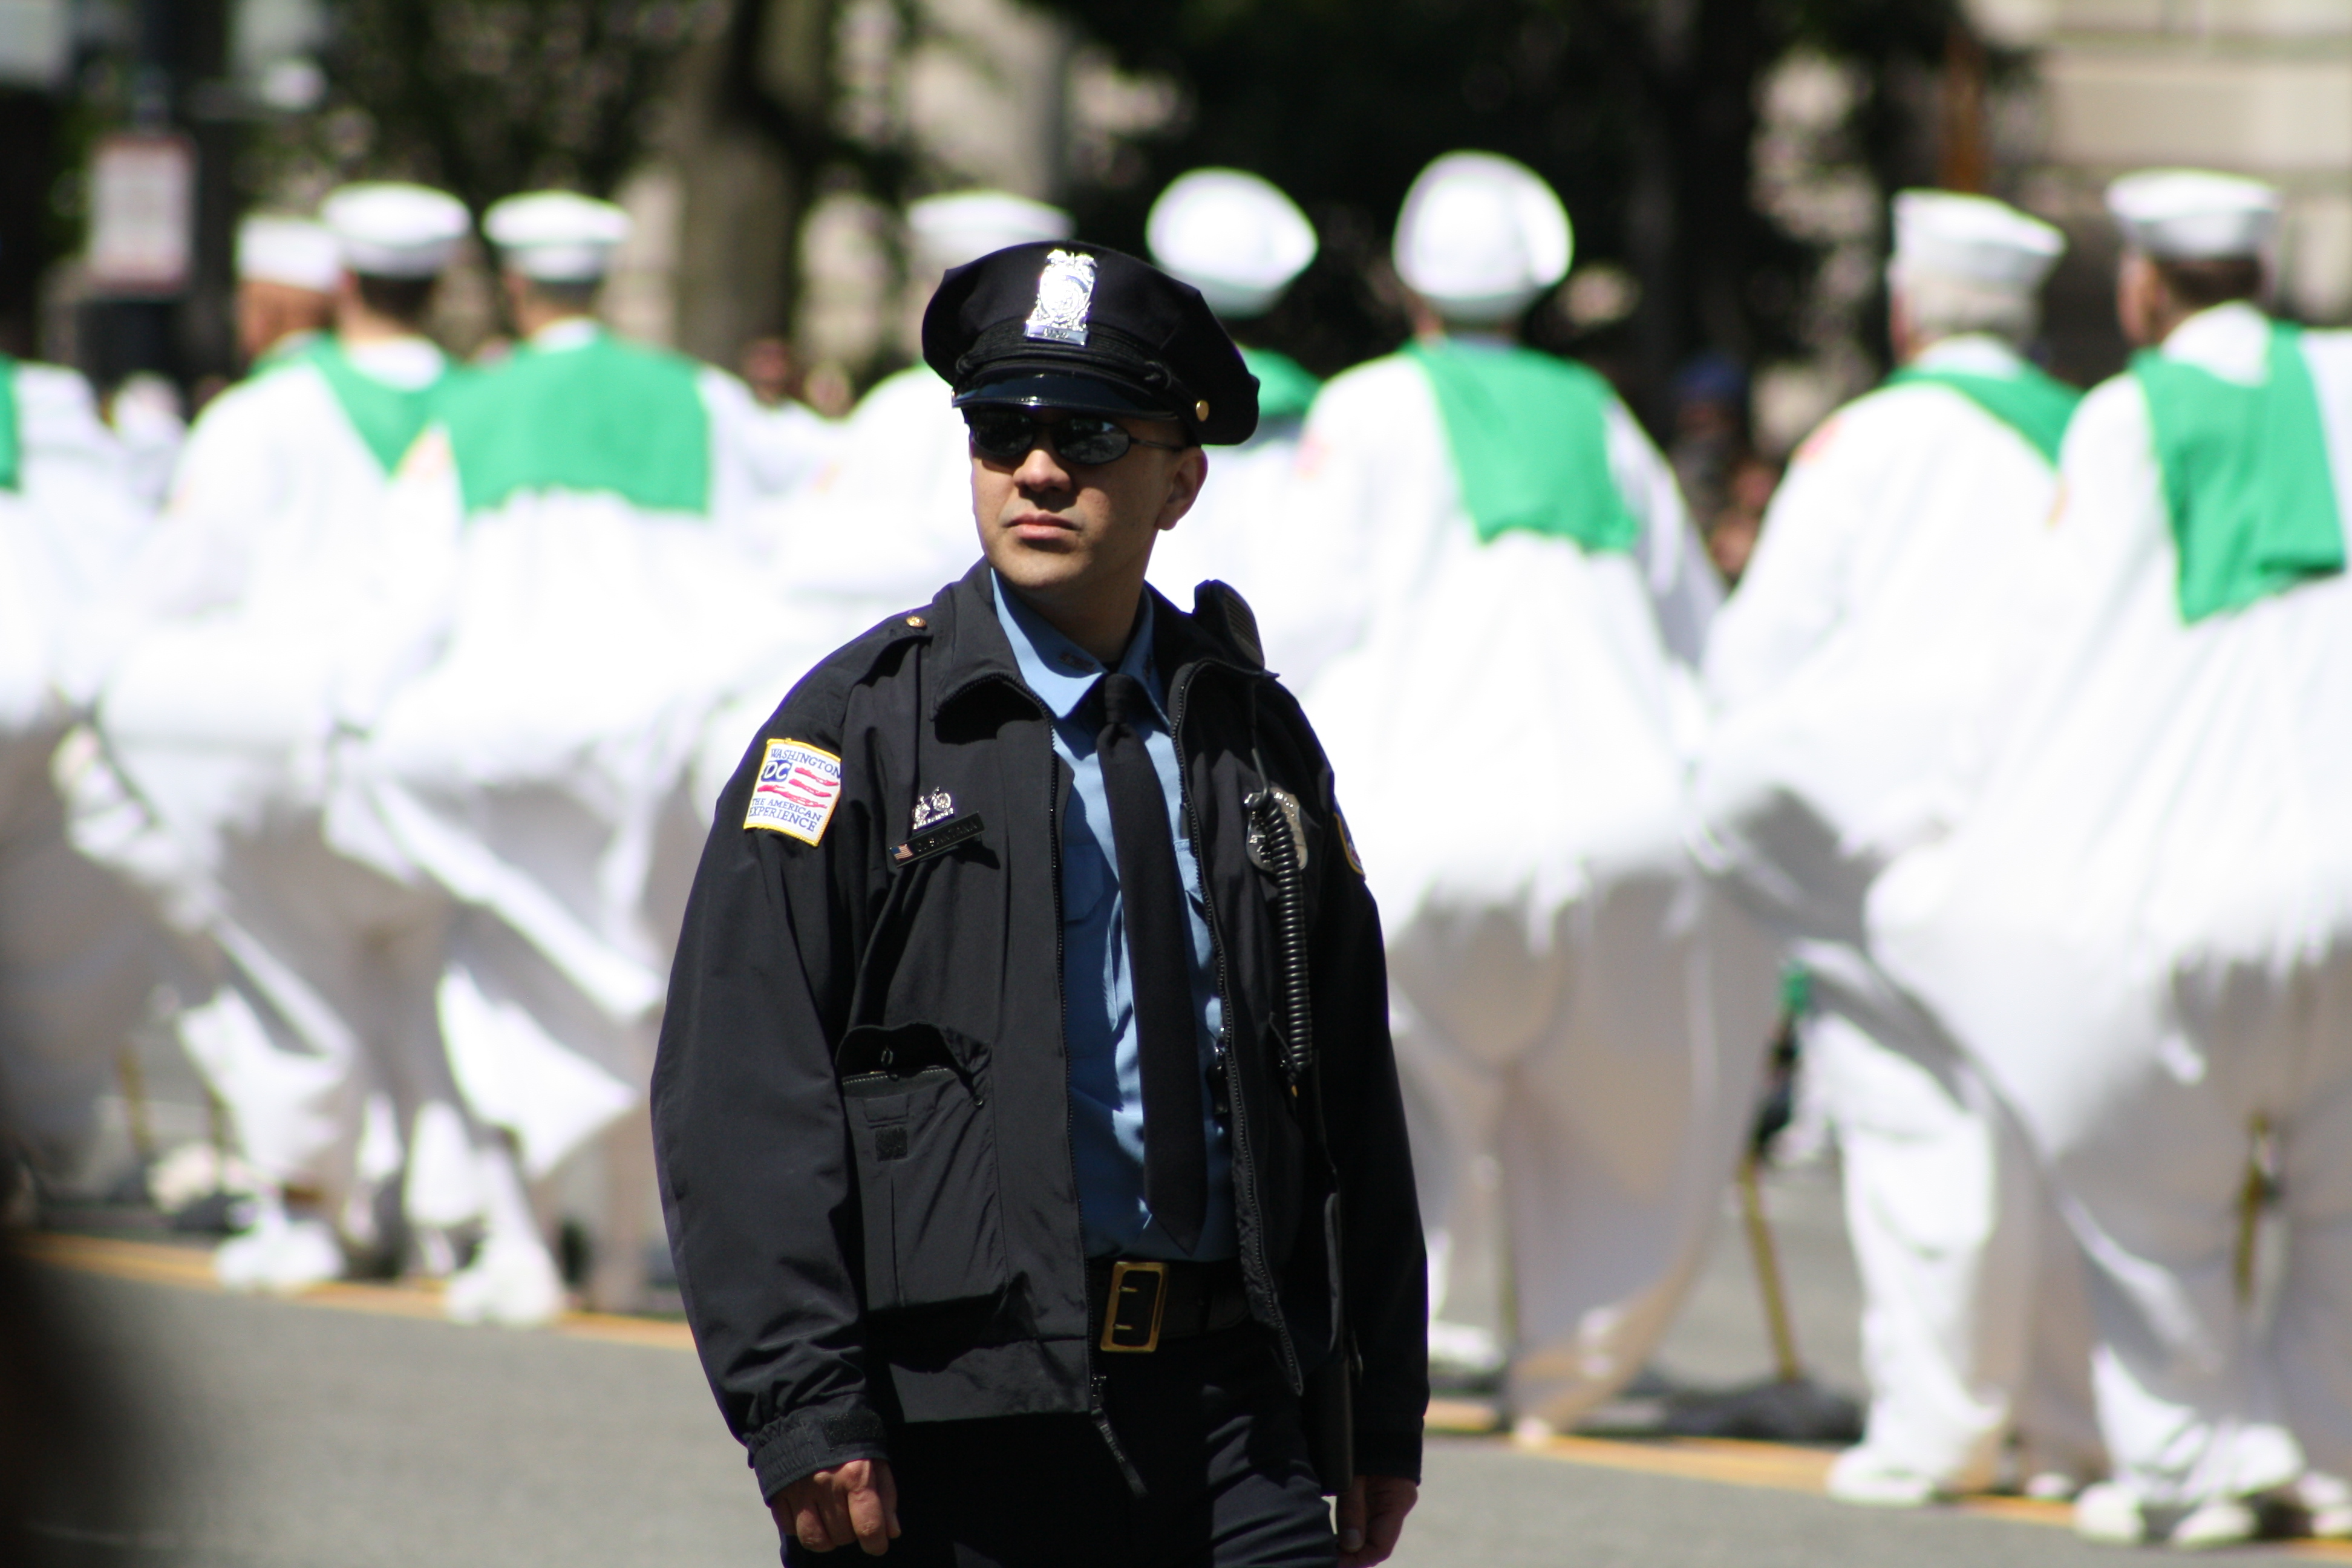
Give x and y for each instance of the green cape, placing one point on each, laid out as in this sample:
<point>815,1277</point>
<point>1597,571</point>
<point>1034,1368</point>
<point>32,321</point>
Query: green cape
<point>388,418</point>
<point>12,449</point>
<point>1531,442</point>
<point>606,415</point>
<point>2033,403</point>
<point>2246,480</point>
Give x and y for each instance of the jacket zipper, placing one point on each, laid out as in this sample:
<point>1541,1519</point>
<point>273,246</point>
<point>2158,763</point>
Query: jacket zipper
<point>1244,1164</point>
<point>1096,1407</point>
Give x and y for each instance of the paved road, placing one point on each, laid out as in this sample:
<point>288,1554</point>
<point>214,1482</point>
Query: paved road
<point>296,1436</point>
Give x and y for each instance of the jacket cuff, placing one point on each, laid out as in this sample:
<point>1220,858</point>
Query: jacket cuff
<point>1388,1451</point>
<point>794,1447</point>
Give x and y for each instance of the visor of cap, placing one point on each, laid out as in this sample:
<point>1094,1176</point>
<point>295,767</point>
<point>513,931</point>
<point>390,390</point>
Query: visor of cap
<point>1481,236</point>
<point>1233,236</point>
<point>289,250</point>
<point>1074,394</point>
<point>1972,239</point>
<point>2194,214</point>
<point>392,230</point>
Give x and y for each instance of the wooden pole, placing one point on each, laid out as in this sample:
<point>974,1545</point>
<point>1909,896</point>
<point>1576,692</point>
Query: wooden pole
<point>1768,1272</point>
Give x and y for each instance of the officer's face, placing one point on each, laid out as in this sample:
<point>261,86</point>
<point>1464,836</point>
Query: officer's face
<point>1060,529</point>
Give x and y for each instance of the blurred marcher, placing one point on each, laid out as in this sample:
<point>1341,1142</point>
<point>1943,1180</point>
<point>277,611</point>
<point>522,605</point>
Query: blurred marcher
<point>288,270</point>
<point>2142,930</point>
<point>1000,1208</point>
<point>1857,646</point>
<point>890,517</point>
<point>148,421</point>
<point>78,954</point>
<point>1580,1021</point>
<point>1240,241</point>
<point>1731,537</point>
<point>1710,432</point>
<point>797,441</point>
<point>218,721</point>
<point>769,370</point>
<point>567,592</point>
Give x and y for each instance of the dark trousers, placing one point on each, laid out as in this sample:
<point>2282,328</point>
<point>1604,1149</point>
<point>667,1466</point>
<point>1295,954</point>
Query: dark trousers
<point>1208,1423</point>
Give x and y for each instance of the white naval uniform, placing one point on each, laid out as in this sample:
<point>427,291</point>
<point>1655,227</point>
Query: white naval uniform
<point>533,688</point>
<point>78,956</point>
<point>2143,932</point>
<point>1852,669</point>
<point>218,714</point>
<point>1579,1019</point>
<point>885,522</point>
<point>1234,534</point>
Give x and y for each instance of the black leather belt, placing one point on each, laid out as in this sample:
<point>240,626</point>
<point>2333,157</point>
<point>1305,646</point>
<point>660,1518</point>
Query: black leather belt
<point>1141,1301</point>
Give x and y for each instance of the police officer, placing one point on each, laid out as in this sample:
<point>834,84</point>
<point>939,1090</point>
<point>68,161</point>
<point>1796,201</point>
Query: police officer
<point>986,1103</point>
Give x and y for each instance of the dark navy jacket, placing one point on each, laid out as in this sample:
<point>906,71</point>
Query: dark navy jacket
<point>861,1102</point>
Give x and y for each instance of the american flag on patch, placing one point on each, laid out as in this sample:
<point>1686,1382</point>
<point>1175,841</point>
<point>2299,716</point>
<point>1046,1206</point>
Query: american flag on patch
<point>797,791</point>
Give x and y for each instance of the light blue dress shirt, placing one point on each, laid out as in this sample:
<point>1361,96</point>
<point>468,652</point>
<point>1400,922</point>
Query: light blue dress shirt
<point>1097,990</point>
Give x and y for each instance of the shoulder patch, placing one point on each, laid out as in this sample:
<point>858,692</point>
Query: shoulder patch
<point>798,786</point>
<point>1347,841</point>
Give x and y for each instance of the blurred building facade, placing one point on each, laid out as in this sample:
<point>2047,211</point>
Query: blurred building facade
<point>2256,87</point>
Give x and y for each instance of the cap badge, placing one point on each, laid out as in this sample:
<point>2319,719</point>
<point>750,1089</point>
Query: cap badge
<point>1065,292</point>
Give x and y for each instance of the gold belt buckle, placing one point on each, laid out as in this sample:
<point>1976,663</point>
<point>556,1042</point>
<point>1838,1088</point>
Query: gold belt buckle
<point>1138,1298</point>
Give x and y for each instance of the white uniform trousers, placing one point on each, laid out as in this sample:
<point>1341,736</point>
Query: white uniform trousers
<point>1575,1111</point>
<point>79,959</point>
<point>1975,1316</point>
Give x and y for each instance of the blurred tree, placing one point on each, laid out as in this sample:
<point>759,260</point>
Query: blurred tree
<point>489,97</point>
<point>1642,112</point>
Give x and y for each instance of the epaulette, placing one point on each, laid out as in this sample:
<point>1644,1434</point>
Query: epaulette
<point>1224,617</point>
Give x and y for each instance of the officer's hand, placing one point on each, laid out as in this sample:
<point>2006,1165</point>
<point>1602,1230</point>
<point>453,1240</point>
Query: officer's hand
<point>1372,1517</point>
<point>857,1501</point>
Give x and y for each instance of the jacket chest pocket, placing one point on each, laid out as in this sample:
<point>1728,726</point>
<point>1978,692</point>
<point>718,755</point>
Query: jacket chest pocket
<point>925,1142</point>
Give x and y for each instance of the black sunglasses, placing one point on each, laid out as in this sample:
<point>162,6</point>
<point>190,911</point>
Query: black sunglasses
<point>1006,435</point>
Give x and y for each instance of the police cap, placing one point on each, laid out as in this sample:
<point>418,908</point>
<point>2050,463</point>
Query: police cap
<point>1092,331</point>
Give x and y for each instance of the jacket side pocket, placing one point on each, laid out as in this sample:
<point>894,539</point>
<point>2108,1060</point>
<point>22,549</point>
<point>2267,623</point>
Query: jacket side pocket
<point>925,1148</point>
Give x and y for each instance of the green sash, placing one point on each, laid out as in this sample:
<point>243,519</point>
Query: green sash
<point>2035,404</point>
<point>1531,442</point>
<point>1285,387</point>
<point>2246,477</point>
<point>388,418</point>
<point>293,345</point>
<point>607,416</point>
<point>12,449</point>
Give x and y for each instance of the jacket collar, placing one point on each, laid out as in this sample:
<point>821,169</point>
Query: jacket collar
<point>973,650</point>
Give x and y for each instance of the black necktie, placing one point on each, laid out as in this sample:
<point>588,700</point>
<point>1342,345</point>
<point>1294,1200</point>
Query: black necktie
<point>1159,965</point>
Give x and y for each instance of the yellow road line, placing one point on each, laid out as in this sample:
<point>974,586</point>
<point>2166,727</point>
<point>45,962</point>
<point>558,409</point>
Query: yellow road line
<point>191,1268</point>
<point>1806,1470</point>
<point>1774,1466</point>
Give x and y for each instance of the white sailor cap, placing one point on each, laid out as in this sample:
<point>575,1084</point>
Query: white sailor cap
<point>1480,236</point>
<point>391,230</point>
<point>2193,214</point>
<point>556,236</point>
<point>1973,240</point>
<point>1231,235</point>
<point>295,251</point>
<point>965,226</point>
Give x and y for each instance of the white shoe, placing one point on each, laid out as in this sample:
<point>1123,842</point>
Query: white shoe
<point>2225,1521</point>
<point>2108,1512</point>
<point>280,1257</point>
<point>2327,1501</point>
<point>1863,1478</point>
<point>1533,1432</point>
<point>511,1283</point>
<point>2051,1486</point>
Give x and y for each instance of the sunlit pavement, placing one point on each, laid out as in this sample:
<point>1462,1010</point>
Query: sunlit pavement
<point>351,1428</point>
